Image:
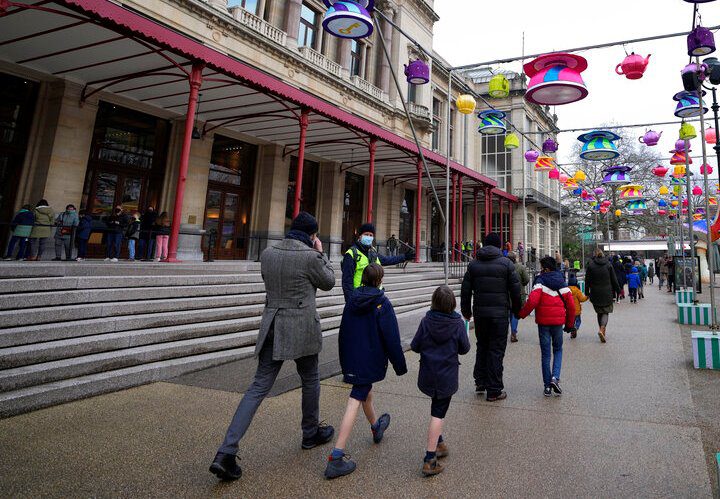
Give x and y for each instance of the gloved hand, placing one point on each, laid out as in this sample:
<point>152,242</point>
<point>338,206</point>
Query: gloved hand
<point>570,330</point>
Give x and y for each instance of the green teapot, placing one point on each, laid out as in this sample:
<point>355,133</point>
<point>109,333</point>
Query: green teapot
<point>499,87</point>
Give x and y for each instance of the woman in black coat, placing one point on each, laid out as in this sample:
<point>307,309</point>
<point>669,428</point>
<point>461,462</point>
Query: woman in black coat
<point>601,285</point>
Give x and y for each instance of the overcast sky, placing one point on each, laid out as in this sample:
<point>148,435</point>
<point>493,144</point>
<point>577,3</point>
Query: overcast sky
<point>471,31</point>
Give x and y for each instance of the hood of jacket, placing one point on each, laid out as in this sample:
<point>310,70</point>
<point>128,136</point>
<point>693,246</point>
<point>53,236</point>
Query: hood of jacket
<point>365,299</point>
<point>44,209</point>
<point>441,326</point>
<point>489,253</point>
<point>553,280</point>
<point>600,260</point>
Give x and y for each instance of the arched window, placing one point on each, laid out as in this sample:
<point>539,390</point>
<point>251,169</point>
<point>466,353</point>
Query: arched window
<point>542,238</point>
<point>530,232</point>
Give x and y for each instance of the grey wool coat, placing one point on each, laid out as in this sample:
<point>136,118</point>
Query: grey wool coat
<point>292,273</point>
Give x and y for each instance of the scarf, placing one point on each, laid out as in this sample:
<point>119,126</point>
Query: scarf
<point>301,236</point>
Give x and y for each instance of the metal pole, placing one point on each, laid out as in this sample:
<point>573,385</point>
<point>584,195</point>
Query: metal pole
<point>301,162</point>
<point>709,254</point>
<point>418,210</point>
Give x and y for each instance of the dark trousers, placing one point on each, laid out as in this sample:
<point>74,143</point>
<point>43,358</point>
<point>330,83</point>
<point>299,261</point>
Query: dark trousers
<point>114,239</point>
<point>23,249</point>
<point>633,294</point>
<point>491,333</point>
<point>267,371</point>
<point>63,243</point>
<point>147,245</point>
<point>82,248</point>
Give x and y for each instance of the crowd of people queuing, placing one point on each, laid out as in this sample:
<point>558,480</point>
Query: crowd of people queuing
<point>144,235</point>
<point>492,295</point>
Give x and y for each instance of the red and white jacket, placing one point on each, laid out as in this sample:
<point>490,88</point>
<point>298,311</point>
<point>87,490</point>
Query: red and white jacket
<point>552,308</point>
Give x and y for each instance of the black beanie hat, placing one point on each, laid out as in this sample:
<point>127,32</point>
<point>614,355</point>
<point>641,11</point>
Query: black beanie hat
<point>492,239</point>
<point>305,222</point>
<point>366,228</point>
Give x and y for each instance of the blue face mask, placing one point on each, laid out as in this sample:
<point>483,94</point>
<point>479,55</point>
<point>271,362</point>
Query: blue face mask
<point>366,240</point>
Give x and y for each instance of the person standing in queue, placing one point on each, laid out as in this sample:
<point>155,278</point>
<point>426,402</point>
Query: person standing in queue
<point>362,254</point>
<point>490,292</point>
<point>289,330</point>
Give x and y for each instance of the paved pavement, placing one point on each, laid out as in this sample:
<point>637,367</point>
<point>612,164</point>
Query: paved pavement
<point>635,421</point>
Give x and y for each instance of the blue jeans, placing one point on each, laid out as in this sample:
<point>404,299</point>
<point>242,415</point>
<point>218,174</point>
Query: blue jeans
<point>147,246</point>
<point>578,321</point>
<point>131,249</point>
<point>513,323</point>
<point>114,239</point>
<point>551,335</point>
<point>24,249</point>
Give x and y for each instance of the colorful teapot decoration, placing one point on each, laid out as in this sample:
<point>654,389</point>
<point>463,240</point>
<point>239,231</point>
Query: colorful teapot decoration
<point>499,87</point>
<point>618,213</point>
<point>688,104</point>
<point>633,67</point>
<point>617,175</point>
<point>417,72</point>
<point>465,104</point>
<point>491,122</point>
<point>598,145</point>
<point>663,191</point>
<point>544,164</point>
<point>550,146</point>
<point>599,191</point>
<point>700,42</point>
<point>563,178</point>
<point>580,176</point>
<point>706,169</point>
<point>531,156</point>
<point>711,136</point>
<point>660,171</point>
<point>679,171</point>
<point>555,79</point>
<point>554,174</point>
<point>348,19</point>
<point>687,131</point>
<point>679,146</point>
<point>651,138</point>
<point>693,75</point>
<point>512,141</point>
<point>570,185</point>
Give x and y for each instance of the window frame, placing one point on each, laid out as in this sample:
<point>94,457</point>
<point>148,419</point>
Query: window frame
<point>313,28</point>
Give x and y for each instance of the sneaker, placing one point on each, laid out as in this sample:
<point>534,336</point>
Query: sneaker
<point>479,389</point>
<point>573,334</point>
<point>323,435</point>
<point>495,398</point>
<point>340,466</point>
<point>547,392</point>
<point>78,259</point>
<point>555,385</point>
<point>225,467</point>
<point>442,450</point>
<point>601,335</point>
<point>380,426</point>
<point>157,259</point>
<point>107,259</point>
<point>513,338</point>
<point>432,467</point>
<point>114,260</point>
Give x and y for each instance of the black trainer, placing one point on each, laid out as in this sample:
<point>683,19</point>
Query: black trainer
<point>380,426</point>
<point>225,467</point>
<point>479,389</point>
<point>547,392</point>
<point>323,435</point>
<point>555,385</point>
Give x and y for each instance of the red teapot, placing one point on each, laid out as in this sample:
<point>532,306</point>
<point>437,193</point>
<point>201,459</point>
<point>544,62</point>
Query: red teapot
<point>633,67</point>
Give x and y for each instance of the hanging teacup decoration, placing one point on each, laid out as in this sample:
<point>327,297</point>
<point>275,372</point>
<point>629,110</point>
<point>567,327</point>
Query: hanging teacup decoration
<point>544,164</point>
<point>688,104</point>
<point>630,192</point>
<point>417,72</point>
<point>637,207</point>
<point>678,157</point>
<point>555,79</point>
<point>570,184</point>
<point>616,175</point>
<point>512,141</point>
<point>499,87</point>
<point>598,145</point>
<point>349,18</point>
<point>491,122</point>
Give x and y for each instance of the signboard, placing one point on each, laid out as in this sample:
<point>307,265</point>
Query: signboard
<point>686,274</point>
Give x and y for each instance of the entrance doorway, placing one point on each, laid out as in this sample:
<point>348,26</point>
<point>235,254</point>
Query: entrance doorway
<point>17,106</point>
<point>229,198</point>
<point>407,213</point>
<point>437,235</point>
<point>352,208</point>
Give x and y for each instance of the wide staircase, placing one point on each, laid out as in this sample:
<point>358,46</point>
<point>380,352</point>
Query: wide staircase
<point>69,331</point>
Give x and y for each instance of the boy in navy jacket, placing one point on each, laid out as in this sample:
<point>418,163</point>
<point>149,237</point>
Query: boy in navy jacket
<point>442,335</point>
<point>369,338</point>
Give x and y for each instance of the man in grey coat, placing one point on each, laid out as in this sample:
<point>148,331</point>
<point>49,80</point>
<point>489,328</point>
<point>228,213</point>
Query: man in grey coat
<point>289,330</point>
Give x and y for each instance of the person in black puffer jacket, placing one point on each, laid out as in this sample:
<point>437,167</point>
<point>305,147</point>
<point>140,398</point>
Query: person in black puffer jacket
<point>601,286</point>
<point>490,291</point>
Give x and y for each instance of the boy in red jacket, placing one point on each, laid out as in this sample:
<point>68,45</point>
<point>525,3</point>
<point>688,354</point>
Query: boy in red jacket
<point>554,308</point>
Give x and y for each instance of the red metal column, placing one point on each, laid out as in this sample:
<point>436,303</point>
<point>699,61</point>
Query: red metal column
<point>195,83</point>
<point>475,203</point>
<point>453,217</point>
<point>418,209</point>
<point>460,212</point>
<point>502,222</point>
<point>371,177</point>
<point>300,160</point>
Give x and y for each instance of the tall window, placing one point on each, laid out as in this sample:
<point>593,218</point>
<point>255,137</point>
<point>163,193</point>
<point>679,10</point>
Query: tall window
<point>451,145</point>
<point>437,121</point>
<point>553,234</point>
<point>249,5</point>
<point>309,23</point>
<point>530,232</point>
<point>542,238</point>
<point>412,93</point>
<point>356,58</point>
<point>496,160</point>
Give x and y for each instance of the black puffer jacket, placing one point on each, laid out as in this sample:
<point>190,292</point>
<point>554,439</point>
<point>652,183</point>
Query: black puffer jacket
<point>601,283</point>
<point>491,284</point>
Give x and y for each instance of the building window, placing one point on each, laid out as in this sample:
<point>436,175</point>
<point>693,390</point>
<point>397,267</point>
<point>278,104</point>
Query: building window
<point>530,232</point>
<point>357,50</point>
<point>451,145</point>
<point>251,6</point>
<point>412,93</point>
<point>542,238</point>
<point>496,161</point>
<point>309,28</point>
<point>553,234</point>
<point>308,194</point>
<point>437,122</point>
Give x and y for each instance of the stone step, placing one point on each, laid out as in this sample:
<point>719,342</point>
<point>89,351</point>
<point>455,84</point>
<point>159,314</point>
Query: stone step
<point>207,325</point>
<point>207,337</point>
<point>29,335</point>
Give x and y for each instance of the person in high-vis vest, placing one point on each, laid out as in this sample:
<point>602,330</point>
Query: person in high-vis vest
<point>362,254</point>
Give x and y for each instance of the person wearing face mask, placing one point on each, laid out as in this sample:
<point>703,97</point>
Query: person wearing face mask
<point>362,254</point>
<point>66,223</point>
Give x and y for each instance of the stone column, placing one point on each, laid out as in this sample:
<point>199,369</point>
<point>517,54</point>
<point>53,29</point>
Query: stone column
<point>387,34</point>
<point>221,5</point>
<point>330,209</point>
<point>292,22</point>
<point>270,199</point>
<point>343,50</point>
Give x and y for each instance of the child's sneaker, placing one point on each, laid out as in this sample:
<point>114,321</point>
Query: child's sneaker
<point>442,450</point>
<point>432,467</point>
<point>340,466</point>
<point>555,385</point>
<point>547,392</point>
<point>573,333</point>
<point>381,425</point>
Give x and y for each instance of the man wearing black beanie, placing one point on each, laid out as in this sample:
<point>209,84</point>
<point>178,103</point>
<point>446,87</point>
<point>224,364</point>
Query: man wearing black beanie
<point>289,330</point>
<point>362,254</point>
<point>490,292</point>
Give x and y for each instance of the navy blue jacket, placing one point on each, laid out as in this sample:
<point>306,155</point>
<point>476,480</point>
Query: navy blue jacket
<point>439,339</point>
<point>634,280</point>
<point>369,337</point>
<point>84,227</point>
<point>23,217</point>
<point>348,266</point>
